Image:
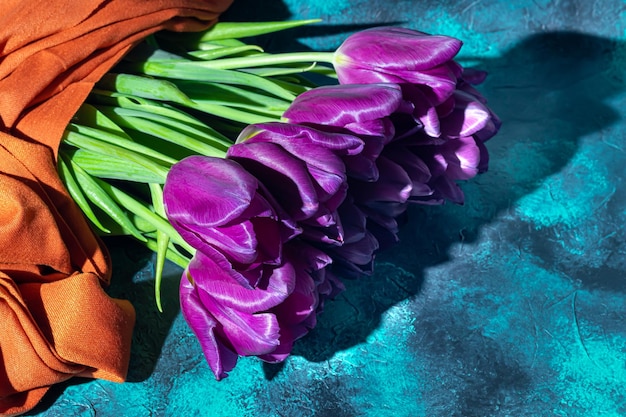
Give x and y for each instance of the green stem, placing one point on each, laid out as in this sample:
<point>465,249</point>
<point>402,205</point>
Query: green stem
<point>162,240</point>
<point>260,60</point>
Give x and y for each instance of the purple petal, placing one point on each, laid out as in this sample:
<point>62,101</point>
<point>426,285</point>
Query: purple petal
<point>424,109</point>
<point>283,350</point>
<point>360,252</point>
<point>363,166</point>
<point>286,177</point>
<point>210,202</point>
<point>353,221</point>
<point>444,109</point>
<point>468,117</point>
<point>346,105</point>
<point>300,304</point>
<point>384,228</point>
<point>208,191</point>
<point>326,168</point>
<point>247,276</point>
<point>328,286</point>
<point>388,208</point>
<point>484,157</point>
<point>396,55</point>
<point>297,314</point>
<point>218,284</point>
<point>444,189</point>
<point>221,359</point>
<point>392,48</point>
<point>463,156</point>
<point>386,222</point>
<point>474,76</point>
<point>491,128</point>
<point>317,149</point>
<point>383,128</point>
<point>280,133</point>
<point>393,185</point>
<point>441,81</point>
<point>433,158</point>
<point>416,169</point>
<point>247,333</point>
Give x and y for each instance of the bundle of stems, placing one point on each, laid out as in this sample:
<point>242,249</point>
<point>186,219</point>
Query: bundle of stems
<point>173,96</point>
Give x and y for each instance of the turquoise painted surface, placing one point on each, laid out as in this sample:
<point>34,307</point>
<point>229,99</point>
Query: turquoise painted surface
<point>511,305</point>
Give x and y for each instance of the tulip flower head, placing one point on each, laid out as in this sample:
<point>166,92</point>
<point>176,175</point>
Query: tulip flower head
<point>230,320</point>
<point>225,213</point>
<point>303,168</point>
<point>400,56</point>
<point>363,110</point>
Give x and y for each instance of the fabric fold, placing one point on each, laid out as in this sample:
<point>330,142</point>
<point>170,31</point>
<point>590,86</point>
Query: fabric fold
<point>56,320</point>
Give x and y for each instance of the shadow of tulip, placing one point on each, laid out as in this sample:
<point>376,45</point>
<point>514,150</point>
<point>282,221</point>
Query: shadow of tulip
<point>275,10</point>
<point>133,269</point>
<point>550,90</point>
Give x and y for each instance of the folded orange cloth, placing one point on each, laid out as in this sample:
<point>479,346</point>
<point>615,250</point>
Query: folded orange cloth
<point>56,321</point>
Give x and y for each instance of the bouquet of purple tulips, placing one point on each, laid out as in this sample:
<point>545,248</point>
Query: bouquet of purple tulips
<point>301,201</point>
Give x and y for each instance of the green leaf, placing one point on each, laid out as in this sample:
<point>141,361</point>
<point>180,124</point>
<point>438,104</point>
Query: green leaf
<point>276,71</point>
<point>263,60</point>
<point>123,142</point>
<point>200,71</point>
<point>67,176</point>
<point>232,96</point>
<point>98,196</point>
<point>162,240</point>
<point>110,151</point>
<point>218,43</point>
<point>219,52</point>
<point>167,129</point>
<point>236,30</point>
<point>172,253</point>
<point>144,86</point>
<point>158,110</point>
<point>114,168</point>
<point>88,115</point>
<point>144,211</point>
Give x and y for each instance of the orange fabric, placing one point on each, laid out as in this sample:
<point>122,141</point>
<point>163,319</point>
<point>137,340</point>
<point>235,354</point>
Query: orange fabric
<point>56,321</point>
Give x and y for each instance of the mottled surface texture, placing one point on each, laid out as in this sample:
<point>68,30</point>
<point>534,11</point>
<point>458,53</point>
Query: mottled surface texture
<point>511,305</point>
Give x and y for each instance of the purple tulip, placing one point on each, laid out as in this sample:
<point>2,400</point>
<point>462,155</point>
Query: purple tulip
<point>380,202</point>
<point>230,320</point>
<point>400,56</point>
<point>456,159</point>
<point>222,210</point>
<point>361,109</point>
<point>303,169</point>
<point>376,184</point>
<point>457,152</point>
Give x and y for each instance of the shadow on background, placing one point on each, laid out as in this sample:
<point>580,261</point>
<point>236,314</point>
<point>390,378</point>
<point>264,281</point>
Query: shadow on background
<point>133,269</point>
<point>275,10</point>
<point>550,90</point>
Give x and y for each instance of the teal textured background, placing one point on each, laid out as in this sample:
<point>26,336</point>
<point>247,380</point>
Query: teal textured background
<point>510,305</point>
